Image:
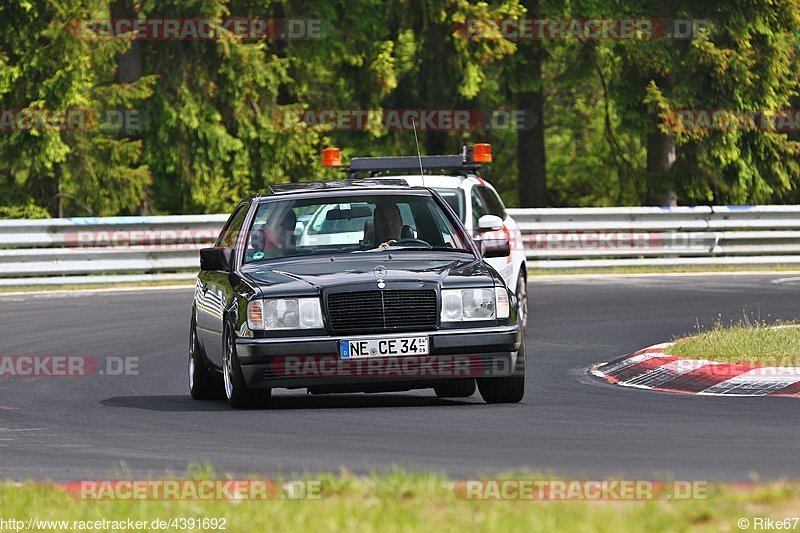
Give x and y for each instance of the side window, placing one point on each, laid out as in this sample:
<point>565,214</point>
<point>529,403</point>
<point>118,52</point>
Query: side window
<point>493,202</point>
<point>230,234</point>
<point>478,207</point>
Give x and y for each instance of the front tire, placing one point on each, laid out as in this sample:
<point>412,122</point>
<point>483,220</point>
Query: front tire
<point>456,388</point>
<point>237,392</point>
<point>507,389</point>
<point>201,385</point>
<point>522,299</point>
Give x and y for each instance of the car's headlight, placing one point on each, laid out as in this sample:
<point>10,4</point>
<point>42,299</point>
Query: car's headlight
<point>474,304</point>
<point>284,313</point>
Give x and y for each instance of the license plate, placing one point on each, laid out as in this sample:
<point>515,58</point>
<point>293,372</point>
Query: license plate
<point>391,347</point>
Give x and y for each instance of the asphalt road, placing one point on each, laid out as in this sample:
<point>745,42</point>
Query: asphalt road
<point>569,423</point>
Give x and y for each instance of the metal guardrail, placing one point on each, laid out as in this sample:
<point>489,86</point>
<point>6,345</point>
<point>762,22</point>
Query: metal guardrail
<point>654,236</point>
<point>117,249</point>
<point>104,250</point>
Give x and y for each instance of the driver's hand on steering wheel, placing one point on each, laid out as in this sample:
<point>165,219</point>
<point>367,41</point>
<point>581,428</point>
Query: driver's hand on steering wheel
<point>387,244</point>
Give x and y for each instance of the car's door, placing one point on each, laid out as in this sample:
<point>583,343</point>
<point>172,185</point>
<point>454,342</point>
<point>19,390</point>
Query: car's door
<point>214,291</point>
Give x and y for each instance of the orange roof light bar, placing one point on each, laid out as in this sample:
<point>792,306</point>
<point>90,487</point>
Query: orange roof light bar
<point>482,153</point>
<point>331,157</point>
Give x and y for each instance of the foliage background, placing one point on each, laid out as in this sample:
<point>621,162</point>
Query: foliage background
<point>211,128</point>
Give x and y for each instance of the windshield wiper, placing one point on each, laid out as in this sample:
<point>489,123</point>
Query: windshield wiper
<point>431,248</point>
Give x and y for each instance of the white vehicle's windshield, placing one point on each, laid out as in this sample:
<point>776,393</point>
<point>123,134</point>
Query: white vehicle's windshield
<point>350,224</point>
<point>454,197</point>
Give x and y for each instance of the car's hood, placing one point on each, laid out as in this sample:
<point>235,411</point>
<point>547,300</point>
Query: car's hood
<point>323,272</point>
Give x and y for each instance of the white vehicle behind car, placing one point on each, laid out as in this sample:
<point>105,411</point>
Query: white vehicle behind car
<point>457,178</point>
<point>477,203</point>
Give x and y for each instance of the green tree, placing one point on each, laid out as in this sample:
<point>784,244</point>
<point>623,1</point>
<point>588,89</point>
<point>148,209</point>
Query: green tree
<point>217,132</point>
<point>746,61</point>
<point>47,69</point>
<point>401,55</point>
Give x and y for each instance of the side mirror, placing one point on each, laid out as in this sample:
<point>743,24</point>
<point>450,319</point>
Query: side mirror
<point>216,259</point>
<point>490,223</point>
<point>495,248</point>
<point>492,246</point>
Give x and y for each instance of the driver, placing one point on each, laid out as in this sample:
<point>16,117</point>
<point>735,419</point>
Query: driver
<point>387,222</point>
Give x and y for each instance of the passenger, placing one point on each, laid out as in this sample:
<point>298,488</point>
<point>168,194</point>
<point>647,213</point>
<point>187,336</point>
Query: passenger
<point>285,231</point>
<point>272,239</point>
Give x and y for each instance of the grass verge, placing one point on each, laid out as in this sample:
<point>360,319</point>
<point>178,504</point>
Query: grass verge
<point>400,501</point>
<point>755,343</point>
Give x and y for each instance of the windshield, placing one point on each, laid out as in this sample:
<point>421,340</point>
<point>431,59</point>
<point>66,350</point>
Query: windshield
<point>350,224</point>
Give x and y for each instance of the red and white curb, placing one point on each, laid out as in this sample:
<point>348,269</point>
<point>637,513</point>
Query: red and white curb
<point>651,369</point>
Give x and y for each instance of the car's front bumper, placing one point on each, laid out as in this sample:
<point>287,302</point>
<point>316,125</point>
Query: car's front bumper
<point>314,362</point>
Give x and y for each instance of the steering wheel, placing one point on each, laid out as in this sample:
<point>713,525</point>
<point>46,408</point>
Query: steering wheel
<point>413,242</point>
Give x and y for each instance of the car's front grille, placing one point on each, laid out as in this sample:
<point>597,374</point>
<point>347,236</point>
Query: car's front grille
<point>387,310</point>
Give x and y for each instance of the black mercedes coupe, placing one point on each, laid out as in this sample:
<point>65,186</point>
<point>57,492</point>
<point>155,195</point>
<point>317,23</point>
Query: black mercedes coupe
<point>352,286</point>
